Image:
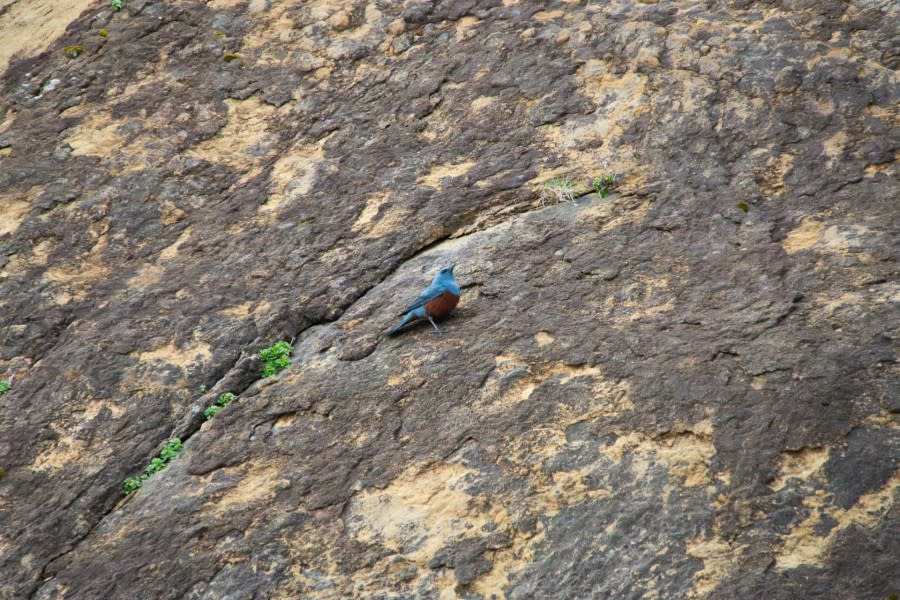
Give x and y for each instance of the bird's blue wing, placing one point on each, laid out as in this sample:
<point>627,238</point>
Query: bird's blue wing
<point>431,292</point>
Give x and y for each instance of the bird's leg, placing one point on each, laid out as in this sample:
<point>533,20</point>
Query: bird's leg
<point>438,329</point>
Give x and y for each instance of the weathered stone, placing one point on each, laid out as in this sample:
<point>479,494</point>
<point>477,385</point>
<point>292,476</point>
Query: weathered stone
<point>658,393</point>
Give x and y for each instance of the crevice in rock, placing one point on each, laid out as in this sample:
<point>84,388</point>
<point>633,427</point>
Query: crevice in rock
<point>458,447</point>
<point>244,373</point>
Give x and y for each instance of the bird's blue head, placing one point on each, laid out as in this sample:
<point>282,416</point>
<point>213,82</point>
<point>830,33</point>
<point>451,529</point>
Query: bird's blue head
<point>445,274</point>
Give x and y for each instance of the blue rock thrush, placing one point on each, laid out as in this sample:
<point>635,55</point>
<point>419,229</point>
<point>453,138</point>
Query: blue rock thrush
<point>436,302</point>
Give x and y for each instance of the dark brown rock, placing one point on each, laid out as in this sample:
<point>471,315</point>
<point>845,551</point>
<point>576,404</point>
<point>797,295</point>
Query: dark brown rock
<point>652,394</point>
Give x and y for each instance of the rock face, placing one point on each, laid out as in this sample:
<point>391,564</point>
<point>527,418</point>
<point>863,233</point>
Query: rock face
<point>685,389</point>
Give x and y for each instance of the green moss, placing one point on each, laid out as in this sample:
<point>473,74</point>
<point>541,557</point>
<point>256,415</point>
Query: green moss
<point>73,51</point>
<point>230,56</point>
<point>4,386</point>
<point>743,206</point>
<point>103,33</point>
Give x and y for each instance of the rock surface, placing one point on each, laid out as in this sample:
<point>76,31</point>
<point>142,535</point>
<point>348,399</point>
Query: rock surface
<point>686,389</point>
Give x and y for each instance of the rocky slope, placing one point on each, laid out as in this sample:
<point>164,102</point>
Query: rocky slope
<point>685,389</point>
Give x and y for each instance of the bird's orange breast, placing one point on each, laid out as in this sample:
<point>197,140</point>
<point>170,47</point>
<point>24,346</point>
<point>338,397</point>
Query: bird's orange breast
<point>441,306</point>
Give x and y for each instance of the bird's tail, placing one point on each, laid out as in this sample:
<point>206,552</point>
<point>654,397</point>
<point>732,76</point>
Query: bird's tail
<point>393,330</point>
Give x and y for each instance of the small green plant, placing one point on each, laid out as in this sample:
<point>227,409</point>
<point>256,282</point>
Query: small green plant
<point>557,190</point>
<point>743,206</point>
<point>103,33</point>
<point>4,386</point>
<point>73,51</point>
<point>230,56</point>
<point>275,358</point>
<point>223,401</point>
<point>156,465</point>
<point>117,4</point>
<point>169,451</point>
<point>604,185</point>
<point>202,388</point>
<point>132,484</point>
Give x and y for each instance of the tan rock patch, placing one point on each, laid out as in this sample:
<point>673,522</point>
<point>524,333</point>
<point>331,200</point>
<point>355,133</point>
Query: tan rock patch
<point>392,218</point>
<point>813,234</point>
<point>96,135</point>
<point>772,175</point>
<point>180,357</point>
<point>37,257</point>
<point>257,484</point>
<point>542,338</point>
<point>29,28</point>
<point>686,454</point>
<point>482,102</point>
<point>465,27</point>
<point>801,464</point>
<point>293,176</point>
<point>548,15</point>
<point>78,276</point>
<point>219,4</point>
<point>10,115</point>
<point>64,453</point>
<point>246,131</point>
<point>802,546</point>
<point>610,397</point>
<point>652,311</point>
<point>241,311</point>
<point>804,236</point>
<point>718,558</point>
<point>171,251</point>
<point>14,207</point>
<point>623,99</point>
<point>151,274</point>
<point>508,561</point>
<point>420,512</point>
<point>373,204</point>
<point>438,173</point>
<point>834,146</point>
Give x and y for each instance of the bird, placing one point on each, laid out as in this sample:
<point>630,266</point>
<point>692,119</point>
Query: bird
<point>436,302</point>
